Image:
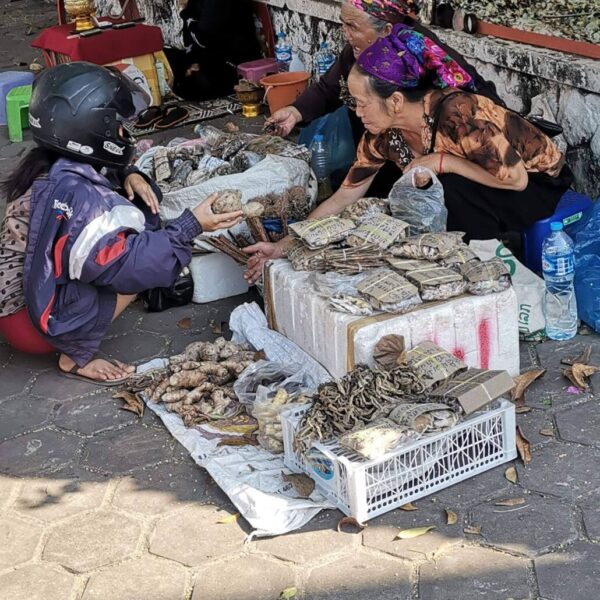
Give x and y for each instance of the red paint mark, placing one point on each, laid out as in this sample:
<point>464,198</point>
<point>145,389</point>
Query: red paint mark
<point>58,251</point>
<point>483,340</point>
<point>459,353</point>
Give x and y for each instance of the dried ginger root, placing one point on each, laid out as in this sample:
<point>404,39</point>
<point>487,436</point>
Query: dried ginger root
<point>199,392</point>
<point>174,396</point>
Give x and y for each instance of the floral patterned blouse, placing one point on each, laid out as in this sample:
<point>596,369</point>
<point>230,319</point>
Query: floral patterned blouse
<point>470,126</point>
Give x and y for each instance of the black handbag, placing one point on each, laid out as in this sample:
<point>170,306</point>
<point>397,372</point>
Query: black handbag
<point>548,127</point>
<point>179,294</point>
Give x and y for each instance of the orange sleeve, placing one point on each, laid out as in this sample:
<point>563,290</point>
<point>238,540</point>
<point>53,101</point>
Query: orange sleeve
<point>367,163</point>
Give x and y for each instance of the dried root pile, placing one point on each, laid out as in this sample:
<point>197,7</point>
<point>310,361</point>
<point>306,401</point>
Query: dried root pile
<point>198,384</point>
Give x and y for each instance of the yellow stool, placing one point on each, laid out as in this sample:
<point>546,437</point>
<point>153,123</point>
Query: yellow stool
<point>17,111</point>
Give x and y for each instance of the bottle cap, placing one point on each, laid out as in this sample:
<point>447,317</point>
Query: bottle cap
<point>281,34</point>
<point>323,45</point>
<point>318,137</point>
<point>556,226</point>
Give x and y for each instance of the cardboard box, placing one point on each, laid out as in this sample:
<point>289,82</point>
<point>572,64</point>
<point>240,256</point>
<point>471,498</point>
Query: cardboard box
<point>480,330</point>
<point>475,388</point>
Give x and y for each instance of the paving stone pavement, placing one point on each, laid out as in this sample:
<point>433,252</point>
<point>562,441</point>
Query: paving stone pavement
<point>98,504</point>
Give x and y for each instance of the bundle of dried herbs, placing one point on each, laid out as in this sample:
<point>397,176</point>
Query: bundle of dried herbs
<point>429,246</point>
<point>461,256</point>
<point>437,283</point>
<point>486,277</point>
<point>319,233</point>
<point>389,291</point>
<point>364,209</point>
<point>379,230</point>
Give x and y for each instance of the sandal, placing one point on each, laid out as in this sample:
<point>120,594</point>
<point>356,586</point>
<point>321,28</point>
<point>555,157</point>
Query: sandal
<point>148,117</point>
<point>73,374</point>
<point>174,116</point>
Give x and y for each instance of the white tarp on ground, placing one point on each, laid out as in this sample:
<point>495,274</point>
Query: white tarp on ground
<point>250,476</point>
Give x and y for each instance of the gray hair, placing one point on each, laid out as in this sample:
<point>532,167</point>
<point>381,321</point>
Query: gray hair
<point>377,24</point>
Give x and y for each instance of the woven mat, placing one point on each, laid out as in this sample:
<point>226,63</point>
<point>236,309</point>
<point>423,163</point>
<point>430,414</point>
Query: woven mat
<point>199,111</point>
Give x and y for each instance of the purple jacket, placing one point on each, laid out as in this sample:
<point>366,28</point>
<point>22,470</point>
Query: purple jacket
<point>87,244</point>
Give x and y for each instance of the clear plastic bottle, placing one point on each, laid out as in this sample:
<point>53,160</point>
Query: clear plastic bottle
<point>324,59</point>
<point>558,264</point>
<point>283,52</point>
<point>320,165</point>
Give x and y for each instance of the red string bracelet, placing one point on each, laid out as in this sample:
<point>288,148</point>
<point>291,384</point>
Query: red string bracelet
<point>441,163</point>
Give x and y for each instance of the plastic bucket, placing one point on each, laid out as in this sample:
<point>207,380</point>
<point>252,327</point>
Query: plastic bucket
<point>282,89</point>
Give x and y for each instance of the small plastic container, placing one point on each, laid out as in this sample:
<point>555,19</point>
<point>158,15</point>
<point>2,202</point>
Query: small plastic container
<point>255,70</point>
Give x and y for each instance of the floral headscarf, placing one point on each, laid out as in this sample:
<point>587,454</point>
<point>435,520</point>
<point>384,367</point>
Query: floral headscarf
<point>405,56</point>
<point>386,10</point>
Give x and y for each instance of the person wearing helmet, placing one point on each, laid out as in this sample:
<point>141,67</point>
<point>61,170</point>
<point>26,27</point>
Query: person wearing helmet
<point>74,252</point>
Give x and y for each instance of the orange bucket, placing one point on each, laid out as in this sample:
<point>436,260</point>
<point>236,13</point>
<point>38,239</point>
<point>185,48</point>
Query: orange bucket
<point>282,89</point>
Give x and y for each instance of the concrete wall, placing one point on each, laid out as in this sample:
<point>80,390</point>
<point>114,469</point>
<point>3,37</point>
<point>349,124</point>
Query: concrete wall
<point>568,86</point>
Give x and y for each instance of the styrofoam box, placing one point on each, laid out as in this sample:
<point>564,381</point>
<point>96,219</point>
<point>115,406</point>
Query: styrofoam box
<point>481,330</point>
<point>216,276</point>
<point>366,488</point>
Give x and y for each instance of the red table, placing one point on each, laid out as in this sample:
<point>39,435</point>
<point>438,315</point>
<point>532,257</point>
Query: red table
<point>59,45</point>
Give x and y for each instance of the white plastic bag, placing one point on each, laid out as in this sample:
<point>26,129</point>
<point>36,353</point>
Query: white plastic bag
<point>528,286</point>
<point>422,208</point>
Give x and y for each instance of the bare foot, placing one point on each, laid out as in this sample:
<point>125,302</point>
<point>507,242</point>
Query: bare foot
<point>97,369</point>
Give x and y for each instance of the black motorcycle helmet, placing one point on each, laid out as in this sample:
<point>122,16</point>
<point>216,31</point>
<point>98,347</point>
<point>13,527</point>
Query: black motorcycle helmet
<point>78,110</point>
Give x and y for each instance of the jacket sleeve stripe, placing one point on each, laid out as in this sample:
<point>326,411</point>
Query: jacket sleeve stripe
<point>120,218</point>
<point>46,315</point>
<point>110,253</point>
<point>58,255</point>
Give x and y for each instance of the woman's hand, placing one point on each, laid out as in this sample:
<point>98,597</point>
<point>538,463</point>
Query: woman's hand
<point>210,221</point>
<point>261,253</point>
<point>284,119</point>
<point>134,185</point>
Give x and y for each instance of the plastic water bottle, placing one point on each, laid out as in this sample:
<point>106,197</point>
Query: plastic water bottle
<point>558,264</point>
<point>324,59</point>
<point>320,165</point>
<point>283,52</point>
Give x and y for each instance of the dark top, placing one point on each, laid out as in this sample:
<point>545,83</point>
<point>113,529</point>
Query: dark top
<point>331,91</point>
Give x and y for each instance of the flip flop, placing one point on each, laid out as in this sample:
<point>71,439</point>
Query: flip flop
<point>73,374</point>
<point>148,117</point>
<point>173,116</point>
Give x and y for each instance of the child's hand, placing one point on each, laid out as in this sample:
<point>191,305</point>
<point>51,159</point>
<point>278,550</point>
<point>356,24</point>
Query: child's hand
<point>210,221</point>
<point>136,184</point>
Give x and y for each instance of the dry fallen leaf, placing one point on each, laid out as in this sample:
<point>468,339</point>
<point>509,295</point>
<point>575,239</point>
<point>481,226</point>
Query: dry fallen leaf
<point>583,358</point>
<point>451,517</point>
<point>511,475</point>
<point>578,374</point>
<point>351,522</point>
<point>185,323</point>
<point>236,440</point>
<point>217,328</point>
<point>473,529</point>
<point>522,409</point>
<point>408,507</point>
<point>522,382</point>
<point>228,519</point>
<point>408,534</point>
<point>510,502</point>
<point>303,484</point>
<point>388,350</point>
<point>523,446</point>
<point>133,403</point>
<point>547,431</point>
<point>288,593</point>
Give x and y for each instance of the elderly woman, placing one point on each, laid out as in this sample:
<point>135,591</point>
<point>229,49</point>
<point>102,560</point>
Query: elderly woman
<point>499,172</point>
<point>363,22</point>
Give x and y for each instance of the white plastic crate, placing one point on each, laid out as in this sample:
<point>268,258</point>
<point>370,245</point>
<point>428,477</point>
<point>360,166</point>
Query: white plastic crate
<point>366,488</point>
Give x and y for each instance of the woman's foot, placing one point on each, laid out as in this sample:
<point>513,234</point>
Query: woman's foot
<point>99,369</point>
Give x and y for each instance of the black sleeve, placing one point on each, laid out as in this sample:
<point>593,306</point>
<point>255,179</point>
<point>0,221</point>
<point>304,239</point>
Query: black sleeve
<point>483,87</point>
<point>324,96</point>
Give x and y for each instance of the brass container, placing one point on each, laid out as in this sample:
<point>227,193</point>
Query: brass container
<point>81,12</point>
<point>250,100</point>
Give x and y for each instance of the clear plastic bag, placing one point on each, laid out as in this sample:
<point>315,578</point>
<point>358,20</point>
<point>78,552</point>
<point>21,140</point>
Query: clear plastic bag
<point>271,376</point>
<point>421,207</point>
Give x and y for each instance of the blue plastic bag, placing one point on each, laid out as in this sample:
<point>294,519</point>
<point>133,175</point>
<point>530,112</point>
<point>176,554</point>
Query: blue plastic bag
<point>337,130</point>
<point>587,265</point>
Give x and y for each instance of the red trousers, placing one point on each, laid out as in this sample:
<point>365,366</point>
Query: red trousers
<point>19,332</point>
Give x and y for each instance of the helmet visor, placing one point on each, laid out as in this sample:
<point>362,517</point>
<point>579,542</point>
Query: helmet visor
<point>130,99</point>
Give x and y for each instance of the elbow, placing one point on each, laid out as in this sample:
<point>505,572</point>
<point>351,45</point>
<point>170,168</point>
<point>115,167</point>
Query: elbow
<point>521,182</point>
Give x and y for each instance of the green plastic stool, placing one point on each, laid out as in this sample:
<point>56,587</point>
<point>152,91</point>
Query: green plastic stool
<point>17,111</point>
